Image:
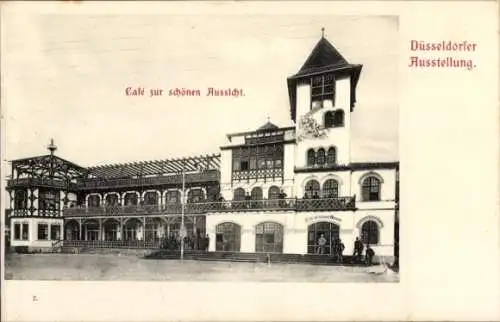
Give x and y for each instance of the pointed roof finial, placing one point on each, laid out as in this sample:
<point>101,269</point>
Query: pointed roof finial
<point>323,32</point>
<point>268,119</point>
<point>52,147</point>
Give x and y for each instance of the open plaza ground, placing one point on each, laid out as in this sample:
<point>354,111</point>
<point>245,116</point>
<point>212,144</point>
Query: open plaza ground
<point>132,268</point>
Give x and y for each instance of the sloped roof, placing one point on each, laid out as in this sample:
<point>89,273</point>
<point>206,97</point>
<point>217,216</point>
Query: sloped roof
<point>323,58</point>
<point>48,165</point>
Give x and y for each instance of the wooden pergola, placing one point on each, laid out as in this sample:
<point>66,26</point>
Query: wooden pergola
<point>157,167</point>
<point>47,166</point>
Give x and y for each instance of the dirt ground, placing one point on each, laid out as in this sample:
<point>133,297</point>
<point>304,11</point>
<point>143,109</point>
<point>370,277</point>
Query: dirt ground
<point>132,268</point>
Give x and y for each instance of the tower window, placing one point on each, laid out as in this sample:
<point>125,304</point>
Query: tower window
<point>338,118</point>
<point>321,158</point>
<point>331,157</point>
<point>370,189</point>
<point>311,157</point>
<point>329,119</point>
<point>322,88</point>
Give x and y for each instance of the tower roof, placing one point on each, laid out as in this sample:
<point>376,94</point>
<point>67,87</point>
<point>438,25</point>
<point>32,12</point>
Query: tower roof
<point>324,58</point>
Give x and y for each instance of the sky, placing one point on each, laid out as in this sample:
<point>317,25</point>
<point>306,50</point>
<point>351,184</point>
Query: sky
<point>65,78</point>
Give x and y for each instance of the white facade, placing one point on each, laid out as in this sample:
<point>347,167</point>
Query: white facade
<point>41,233</point>
<point>372,186</point>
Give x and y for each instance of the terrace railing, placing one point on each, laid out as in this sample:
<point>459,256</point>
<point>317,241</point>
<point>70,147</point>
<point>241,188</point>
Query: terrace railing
<point>41,182</point>
<point>92,184</point>
<point>289,204</point>
<point>113,244</point>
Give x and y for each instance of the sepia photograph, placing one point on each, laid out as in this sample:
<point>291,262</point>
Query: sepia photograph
<point>176,148</point>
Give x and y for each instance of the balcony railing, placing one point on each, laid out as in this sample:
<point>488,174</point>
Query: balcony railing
<point>256,174</point>
<point>41,182</point>
<point>206,176</point>
<point>291,204</point>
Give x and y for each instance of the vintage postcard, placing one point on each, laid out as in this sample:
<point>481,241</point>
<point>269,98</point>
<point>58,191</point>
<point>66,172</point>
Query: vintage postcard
<point>193,155</point>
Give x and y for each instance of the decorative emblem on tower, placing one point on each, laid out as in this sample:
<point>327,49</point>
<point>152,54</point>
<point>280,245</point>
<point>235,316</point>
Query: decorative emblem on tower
<point>310,129</point>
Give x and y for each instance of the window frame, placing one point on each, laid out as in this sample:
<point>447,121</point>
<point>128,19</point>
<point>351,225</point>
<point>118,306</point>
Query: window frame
<point>19,226</point>
<point>46,231</point>
<point>329,156</point>
<point>311,182</point>
<point>323,95</point>
<point>369,230</point>
<point>367,188</point>
<point>334,188</point>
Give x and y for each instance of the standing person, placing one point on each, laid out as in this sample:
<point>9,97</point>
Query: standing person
<point>370,253</point>
<point>358,250</point>
<point>340,250</point>
<point>206,242</point>
<point>321,243</point>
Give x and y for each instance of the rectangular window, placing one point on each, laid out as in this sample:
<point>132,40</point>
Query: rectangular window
<point>25,232</point>
<point>244,165</point>
<point>236,165</point>
<point>55,232</point>
<point>49,200</point>
<point>322,88</point>
<point>17,231</point>
<point>43,232</point>
<point>253,163</point>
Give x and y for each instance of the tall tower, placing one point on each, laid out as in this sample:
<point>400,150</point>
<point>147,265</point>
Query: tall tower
<point>322,97</point>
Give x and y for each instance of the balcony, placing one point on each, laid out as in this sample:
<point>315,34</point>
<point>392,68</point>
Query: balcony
<point>256,174</point>
<point>290,204</point>
<point>40,182</point>
<point>95,184</point>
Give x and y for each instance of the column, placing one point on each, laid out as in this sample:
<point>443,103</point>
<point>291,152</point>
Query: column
<point>101,235</point>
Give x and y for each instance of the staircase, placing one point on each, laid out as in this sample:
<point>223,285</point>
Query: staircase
<point>252,257</point>
<point>57,246</point>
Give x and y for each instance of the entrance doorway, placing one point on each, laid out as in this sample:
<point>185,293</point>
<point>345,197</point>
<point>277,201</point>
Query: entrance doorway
<point>228,238</point>
<point>329,231</point>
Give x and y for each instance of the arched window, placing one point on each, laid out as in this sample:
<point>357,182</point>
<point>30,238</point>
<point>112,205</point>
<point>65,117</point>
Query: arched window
<point>322,230</point>
<point>329,119</point>
<point>227,237</point>
<point>239,194</point>
<point>195,195</point>
<point>330,189</point>
<point>130,199</point>
<point>371,189</point>
<point>111,200</point>
<point>312,189</point>
<point>173,198</point>
<point>331,157</point>
<point>369,233</point>
<point>21,199</point>
<point>338,118</point>
<point>151,198</point>
<point>269,237</point>
<point>311,157</point>
<point>321,158</point>
<point>256,193</point>
<point>273,193</point>
<point>94,201</point>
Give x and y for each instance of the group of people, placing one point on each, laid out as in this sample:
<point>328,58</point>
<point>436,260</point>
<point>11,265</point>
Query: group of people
<point>338,250</point>
<point>191,242</point>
